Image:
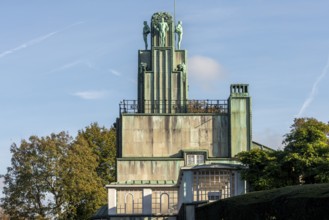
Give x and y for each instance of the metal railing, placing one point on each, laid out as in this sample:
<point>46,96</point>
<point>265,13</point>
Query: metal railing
<point>174,106</point>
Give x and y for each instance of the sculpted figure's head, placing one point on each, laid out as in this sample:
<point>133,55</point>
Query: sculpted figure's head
<point>145,22</point>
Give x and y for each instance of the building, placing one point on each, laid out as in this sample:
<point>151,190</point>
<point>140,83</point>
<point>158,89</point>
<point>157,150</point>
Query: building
<point>174,153</point>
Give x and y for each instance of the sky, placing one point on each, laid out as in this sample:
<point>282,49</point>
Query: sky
<point>67,64</point>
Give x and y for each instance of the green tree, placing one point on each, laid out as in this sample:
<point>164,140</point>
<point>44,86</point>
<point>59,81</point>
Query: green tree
<point>262,169</point>
<point>84,191</point>
<point>103,143</point>
<point>305,158</point>
<point>53,177</point>
<point>33,187</point>
<point>307,150</point>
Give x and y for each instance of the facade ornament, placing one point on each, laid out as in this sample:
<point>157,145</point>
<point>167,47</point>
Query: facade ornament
<point>146,31</point>
<point>142,67</point>
<point>182,67</point>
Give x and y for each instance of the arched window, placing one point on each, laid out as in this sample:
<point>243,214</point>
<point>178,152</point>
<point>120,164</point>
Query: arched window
<point>129,203</point>
<point>164,203</point>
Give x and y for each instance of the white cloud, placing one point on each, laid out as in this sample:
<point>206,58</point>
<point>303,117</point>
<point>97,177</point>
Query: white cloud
<point>314,90</point>
<point>114,72</point>
<point>91,95</point>
<point>205,68</point>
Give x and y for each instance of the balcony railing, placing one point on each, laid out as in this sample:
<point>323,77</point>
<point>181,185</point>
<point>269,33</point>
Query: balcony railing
<point>165,106</point>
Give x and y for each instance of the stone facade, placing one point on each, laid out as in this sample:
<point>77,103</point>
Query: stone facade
<point>173,151</point>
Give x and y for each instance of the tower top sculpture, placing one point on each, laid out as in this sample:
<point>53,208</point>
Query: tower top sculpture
<point>162,70</point>
<point>163,31</point>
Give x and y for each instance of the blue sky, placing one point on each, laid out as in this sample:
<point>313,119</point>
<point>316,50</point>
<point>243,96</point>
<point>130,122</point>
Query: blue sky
<point>66,64</point>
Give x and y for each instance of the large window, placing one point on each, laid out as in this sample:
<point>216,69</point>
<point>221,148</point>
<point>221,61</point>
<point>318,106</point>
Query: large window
<point>212,184</point>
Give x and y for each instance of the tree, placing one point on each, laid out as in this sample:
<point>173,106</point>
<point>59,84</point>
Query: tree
<point>262,171</point>
<point>307,150</point>
<point>52,177</point>
<point>84,191</point>
<point>103,143</point>
<point>3,216</point>
<point>32,184</point>
<point>305,158</point>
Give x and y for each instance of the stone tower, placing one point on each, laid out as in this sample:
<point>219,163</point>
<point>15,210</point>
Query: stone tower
<point>162,81</point>
<point>173,153</point>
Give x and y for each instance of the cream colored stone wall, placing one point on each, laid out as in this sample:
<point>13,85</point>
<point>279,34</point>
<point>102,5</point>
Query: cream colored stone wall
<point>148,170</point>
<point>167,135</point>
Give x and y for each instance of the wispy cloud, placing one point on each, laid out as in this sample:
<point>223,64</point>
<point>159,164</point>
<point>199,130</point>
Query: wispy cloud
<point>27,44</point>
<point>35,41</point>
<point>71,26</point>
<point>72,64</point>
<point>115,72</point>
<point>314,90</point>
<point>91,65</point>
<point>205,68</point>
<point>91,95</point>
<point>66,66</point>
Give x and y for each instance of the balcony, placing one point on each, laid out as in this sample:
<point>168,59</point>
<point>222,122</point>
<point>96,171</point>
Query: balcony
<point>173,106</point>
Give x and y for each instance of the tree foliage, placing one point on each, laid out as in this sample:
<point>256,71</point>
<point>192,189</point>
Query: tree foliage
<point>260,168</point>
<point>58,177</point>
<point>304,159</point>
<point>307,149</point>
<point>102,141</point>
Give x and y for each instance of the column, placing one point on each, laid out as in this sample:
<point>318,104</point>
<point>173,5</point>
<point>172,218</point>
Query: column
<point>147,201</point>
<point>112,201</point>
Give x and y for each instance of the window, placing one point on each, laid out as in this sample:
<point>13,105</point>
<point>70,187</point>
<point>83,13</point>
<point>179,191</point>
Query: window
<point>164,201</point>
<point>129,201</point>
<point>212,184</point>
<point>194,159</point>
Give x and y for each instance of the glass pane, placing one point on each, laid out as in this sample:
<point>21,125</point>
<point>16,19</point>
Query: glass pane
<point>190,159</point>
<point>200,159</point>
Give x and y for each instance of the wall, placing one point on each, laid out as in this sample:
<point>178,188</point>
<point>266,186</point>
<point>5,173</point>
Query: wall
<point>166,135</point>
<point>148,169</point>
<point>240,124</point>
